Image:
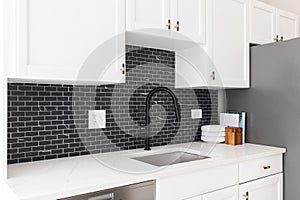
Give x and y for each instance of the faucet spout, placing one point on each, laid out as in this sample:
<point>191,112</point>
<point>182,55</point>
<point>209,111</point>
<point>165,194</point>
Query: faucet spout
<point>147,117</point>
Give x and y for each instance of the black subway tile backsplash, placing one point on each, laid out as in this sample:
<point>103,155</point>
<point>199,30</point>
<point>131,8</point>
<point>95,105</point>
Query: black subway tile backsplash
<point>49,121</point>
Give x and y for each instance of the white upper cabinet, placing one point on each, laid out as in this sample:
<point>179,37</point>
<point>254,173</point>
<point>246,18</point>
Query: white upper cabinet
<point>230,43</point>
<point>145,14</point>
<point>269,24</point>
<point>287,24</point>
<point>223,62</point>
<point>194,68</point>
<point>183,20</point>
<point>84,40</point>
<point>262,23</point>
<point>188,18</point>
<point>70,40</point>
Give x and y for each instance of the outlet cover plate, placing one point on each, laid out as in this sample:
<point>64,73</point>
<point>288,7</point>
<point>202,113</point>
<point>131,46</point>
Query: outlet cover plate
<point>196,114</point>
<point>97,119</point>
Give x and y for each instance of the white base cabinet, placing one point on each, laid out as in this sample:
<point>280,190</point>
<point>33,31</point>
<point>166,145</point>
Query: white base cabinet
<point>262,189</point>
<point>190,185</point>
<point>257,179</point>
<point>231,193</point>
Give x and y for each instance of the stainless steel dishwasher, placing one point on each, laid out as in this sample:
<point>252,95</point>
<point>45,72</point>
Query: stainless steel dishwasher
<point>140,191</point>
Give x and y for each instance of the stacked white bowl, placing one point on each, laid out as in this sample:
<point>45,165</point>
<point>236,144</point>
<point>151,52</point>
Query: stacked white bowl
<point>213,133</point>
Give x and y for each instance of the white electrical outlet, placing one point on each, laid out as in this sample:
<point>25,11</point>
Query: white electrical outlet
<point>97,119</point>
<point>196,114</point>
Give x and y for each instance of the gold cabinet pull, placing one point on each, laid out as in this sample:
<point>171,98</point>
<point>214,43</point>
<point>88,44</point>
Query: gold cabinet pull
<point>246,196</point>
<point>213,76</point>
<point>267,167</point>
<point>277,38</point>
<point>122,69</point>
<point>169,24</point>
<point>177,26</point>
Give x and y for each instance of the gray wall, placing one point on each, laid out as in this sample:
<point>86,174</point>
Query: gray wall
<point>273,104</point>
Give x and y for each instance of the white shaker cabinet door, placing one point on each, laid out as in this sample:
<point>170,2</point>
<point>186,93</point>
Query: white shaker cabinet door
<point>225,194</point>
<point>189,19</point>
<point>230,43</point>
<point>64,40</point>
<point>262,23</point>
<point>193,68</point>
<point>262,189</point>
<point>287,24</point>
<point>147,14</point>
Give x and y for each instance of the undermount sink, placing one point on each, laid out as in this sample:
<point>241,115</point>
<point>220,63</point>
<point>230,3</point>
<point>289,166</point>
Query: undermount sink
<point>171,158</point>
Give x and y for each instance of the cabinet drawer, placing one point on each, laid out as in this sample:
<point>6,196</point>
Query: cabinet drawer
<point>258,168</point>
<point>195,183</point>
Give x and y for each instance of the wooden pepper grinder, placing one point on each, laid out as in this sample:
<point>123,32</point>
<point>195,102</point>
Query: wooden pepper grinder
<point>233,136</point>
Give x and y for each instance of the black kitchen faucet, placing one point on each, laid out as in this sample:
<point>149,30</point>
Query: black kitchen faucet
<point>148,99</point>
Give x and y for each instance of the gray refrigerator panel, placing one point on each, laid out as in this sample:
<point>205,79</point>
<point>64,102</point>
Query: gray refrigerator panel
<point>273,104</point>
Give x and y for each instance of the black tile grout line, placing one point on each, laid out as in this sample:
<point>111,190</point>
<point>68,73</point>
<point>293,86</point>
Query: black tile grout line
<point>50,121</point>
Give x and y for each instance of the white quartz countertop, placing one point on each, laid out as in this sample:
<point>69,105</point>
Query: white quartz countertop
<point>60,178</point>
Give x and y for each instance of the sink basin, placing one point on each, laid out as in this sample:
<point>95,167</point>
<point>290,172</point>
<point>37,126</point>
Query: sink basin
<point>171,158</point>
